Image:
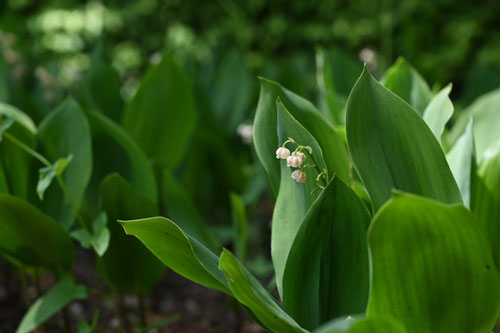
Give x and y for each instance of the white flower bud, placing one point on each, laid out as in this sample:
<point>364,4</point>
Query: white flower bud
<point>299,176</point>
<point>295,160</point>
<point>282,152</point>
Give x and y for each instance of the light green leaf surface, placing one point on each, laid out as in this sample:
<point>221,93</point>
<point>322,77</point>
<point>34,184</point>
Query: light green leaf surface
<point>127,264</point>
<point>359,324</point>
<point>462,161</point>
<point>46,306</point>
<point>326,274</point>
<point>179,251</point>
<point>392,147</point>
<point>98,239</point>
<point>486,197</point>
<point>161,115</point>
<point>486,117</point>
<point>432,268</point>
<point>66,132</point>
<point>240,225</point>
<point>33,238</point>
<point>47,174</point>
<point>265,124</point>
<point>5,124</point>
<point>248,291</point>
<point>20,117</point>
<point>403,80</point>
<point>439,111</point>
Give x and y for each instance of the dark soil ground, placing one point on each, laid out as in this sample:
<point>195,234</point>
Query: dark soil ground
<point>189,307</point>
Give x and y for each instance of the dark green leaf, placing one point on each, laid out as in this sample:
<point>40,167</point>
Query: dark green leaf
<point>432,267</point>
<point>5,124</point>
<point>127,264</point>
<point>33,238</point>
<point>392,147</point>
<point>66,132</point>
<point>248,291</point>
<point>46,306</point>
<point>161,116</point>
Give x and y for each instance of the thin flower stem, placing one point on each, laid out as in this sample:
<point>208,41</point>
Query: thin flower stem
<point>24,283</point>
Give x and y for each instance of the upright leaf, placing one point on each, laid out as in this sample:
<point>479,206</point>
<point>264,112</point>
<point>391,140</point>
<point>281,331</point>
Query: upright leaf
<point>403,80</point>
<point>439,111</point>
<point>66,132</point>
<point>161,115</point>
<point>179,251</point>
<point>33,238</point>
<point>432,267</point>
<point>49,304</point>
<point>248,291</point>
<point>392,147</point>
<point>127,264</point>
<point>326,274</point>
<point>265,124</point>
<point>240,225</point>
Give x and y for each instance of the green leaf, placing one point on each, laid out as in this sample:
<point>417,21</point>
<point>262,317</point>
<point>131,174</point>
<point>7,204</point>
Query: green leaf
<point>47,174</point>
<point>359,324</point>
<point>392,147</point>
<point>84,327</point>
<point>328,259</point>
<point>462,161</point>
<point>161,115</point>
<point>432,267</point>
<point>98,239</point>
<point>179,207</point>
<point>49,304</point>
<point>20,117</point>
<point>293,198</point>
<point>116,151</point>
<point>33,238</point>
<point>336,73</point>
<point>486,197</point>
<point>127,264</point>
<point>248,291</point>
<point>484,112</point>
<point>5,124</point>
<point>240,225</point>
<point>179,251</point>
<point>439,111</point>
<point>66,132</point>
<point>265,124</point>
<point>403,80</point>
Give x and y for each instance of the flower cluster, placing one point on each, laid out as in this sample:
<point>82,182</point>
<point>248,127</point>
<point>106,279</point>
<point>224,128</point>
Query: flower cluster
<point>295,159</point>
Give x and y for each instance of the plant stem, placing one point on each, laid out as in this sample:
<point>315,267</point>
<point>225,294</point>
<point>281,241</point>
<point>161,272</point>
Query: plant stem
<point>22,274</point>
<point>118,312</point>
<point>142,310</point>
<point>66,320</point>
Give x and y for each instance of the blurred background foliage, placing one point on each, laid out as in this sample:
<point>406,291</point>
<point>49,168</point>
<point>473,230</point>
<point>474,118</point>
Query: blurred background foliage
<point>52,41</point>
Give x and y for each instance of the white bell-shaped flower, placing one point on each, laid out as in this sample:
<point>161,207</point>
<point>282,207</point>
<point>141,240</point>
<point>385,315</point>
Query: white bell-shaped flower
<point>295,160</point>
<point>299,176</point>
<point>282,153</point>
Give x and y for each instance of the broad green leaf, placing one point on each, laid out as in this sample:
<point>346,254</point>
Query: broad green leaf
<point>431,267</point>
<point>439,111</point>
<point>180,208</point>
<point>66,132</point>
<point>33,238</point>
<point>127,264</point>
<point>403,80</point>
<point>49,304</point>
<point>161,115</point>
<point>98,238</point>
<point>462,161</point>
<point>336,73</point>
<point>326,274</point>
<point>240,225</point>
<point>179,251</point>
<point>115,151</point>
<point>265,124</point>
<point>20,117</point>
<point>486,197</point>
<point>293,198</point>
<point>392,147</point>
<point>484,112</point>
<point>232,101</point>
<point>359,324</point>
<point>47,174</point>
<point>249,292</point>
